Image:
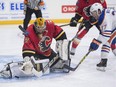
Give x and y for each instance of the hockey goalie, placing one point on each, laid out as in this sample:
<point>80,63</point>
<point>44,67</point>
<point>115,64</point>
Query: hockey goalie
<point>38,56</point>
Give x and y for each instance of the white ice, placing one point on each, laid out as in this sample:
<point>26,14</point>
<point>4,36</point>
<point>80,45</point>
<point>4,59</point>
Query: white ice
<point>86,75</point>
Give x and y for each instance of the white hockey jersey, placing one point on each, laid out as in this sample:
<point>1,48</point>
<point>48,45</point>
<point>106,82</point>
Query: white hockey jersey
<point>107,22</point>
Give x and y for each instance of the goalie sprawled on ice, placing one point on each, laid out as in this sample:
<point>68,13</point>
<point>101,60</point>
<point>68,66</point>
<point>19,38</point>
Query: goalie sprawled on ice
<point>39,58</point>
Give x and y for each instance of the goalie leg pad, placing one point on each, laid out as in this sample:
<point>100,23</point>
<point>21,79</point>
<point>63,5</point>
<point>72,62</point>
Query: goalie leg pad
<point>63,49</point>
<point>12,70</point>
<point>6,72</point>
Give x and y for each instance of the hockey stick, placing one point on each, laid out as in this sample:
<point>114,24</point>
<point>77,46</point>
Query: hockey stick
<point>23,30</point>
<point>64,25</point>
<point>73,69</point>
<point>80,21</point>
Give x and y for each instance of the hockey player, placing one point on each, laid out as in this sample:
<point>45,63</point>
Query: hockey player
<point>39,58</point>
<point>82,11</point>
<point>30,7</point>
<point>107,22</point>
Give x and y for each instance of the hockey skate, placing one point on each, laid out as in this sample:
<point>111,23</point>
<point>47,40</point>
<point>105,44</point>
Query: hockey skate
<point>6,72</point>
<point>58,67</point>
<point>102,65</point>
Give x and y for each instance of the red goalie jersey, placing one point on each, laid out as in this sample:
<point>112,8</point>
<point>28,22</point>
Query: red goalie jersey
<point>40,43</point>
<point>82,6</point>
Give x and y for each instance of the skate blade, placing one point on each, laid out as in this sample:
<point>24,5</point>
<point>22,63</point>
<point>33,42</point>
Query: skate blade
<point>101,69</point>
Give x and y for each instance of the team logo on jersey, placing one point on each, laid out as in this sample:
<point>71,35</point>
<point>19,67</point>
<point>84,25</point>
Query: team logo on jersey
<point>44,44</point>
<point>86,10</point>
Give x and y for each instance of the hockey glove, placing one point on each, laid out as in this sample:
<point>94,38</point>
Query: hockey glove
<point>94,45</point>
<point>73,22</point>
<point>92,20</point>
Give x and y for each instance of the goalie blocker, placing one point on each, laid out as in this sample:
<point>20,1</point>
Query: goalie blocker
<point>32,67</point>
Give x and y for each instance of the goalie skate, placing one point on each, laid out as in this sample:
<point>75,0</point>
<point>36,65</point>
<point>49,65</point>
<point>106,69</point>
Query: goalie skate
<point>6,73</point>
<point>59,66</point>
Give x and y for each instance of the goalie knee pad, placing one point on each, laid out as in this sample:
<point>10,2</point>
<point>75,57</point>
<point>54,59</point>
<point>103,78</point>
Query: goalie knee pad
<point>62,48</point>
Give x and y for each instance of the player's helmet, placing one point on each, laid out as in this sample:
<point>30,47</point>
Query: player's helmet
<point>40,25</point>
<point>95,10</point>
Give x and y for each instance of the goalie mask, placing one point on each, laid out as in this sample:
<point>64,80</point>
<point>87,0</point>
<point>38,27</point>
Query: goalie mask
<point>96,10</point>
<point>39,25</point>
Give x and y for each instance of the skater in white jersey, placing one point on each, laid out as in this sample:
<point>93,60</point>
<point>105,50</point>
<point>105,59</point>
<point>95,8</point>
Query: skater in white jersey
<point>107,22</point>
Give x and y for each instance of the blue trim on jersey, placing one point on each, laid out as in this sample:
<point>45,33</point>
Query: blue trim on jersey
<point>105,35</point>
<point>107,31</point>
<point>106,46</point>
<point>114,41</point>
<point>101,18</point>
<point>104,51</point>
<point>114,30</point>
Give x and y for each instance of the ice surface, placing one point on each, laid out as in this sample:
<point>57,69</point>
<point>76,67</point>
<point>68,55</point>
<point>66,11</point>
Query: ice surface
<point>86,75</point>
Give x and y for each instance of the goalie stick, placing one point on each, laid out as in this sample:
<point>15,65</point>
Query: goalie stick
<point>73,69</point>
<point>23,30</point>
